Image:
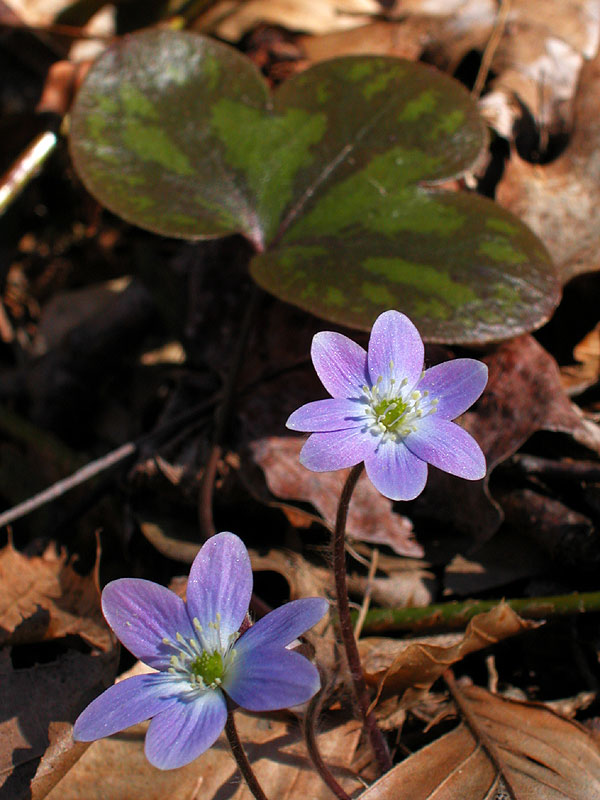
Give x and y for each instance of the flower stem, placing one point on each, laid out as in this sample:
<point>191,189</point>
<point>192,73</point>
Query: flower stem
<point>378,743</point>
<point>242,759</point>
<point>310,721</point>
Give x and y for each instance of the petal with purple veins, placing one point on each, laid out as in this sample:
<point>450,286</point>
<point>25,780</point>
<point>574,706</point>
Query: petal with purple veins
<point>455,384</point>
<point>283,625</point>
<point>396,472</point>
<point>341,364</point>
<point>395,351</point>
<point>126,703</point>
<point>269,678</point>
<point>333,414</point>
<point>142,613</point>
<point>220,583</point>
<point>333,450</point>
<point>447,446</point>
<point>185,730</point>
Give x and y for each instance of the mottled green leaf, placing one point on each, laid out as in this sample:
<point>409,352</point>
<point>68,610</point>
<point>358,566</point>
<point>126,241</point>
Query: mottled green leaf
<point>332,178</point>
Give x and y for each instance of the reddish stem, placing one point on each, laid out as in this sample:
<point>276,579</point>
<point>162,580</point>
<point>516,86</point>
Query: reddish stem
<point>361,692</point>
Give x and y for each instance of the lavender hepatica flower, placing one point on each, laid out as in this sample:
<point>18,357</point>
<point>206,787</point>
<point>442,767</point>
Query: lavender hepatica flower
<point>387,412</point>
<point>200,656</point>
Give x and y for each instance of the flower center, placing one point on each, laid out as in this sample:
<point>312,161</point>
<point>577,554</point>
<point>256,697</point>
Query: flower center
<point>389,413</point>
<point>202,661</point>
<point>208,666</point>
<point>395,412</point>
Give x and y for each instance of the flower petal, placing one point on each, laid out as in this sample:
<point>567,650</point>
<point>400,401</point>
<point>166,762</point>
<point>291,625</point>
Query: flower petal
<point>341,364</point>
<point>332,450</point>
<point>268,678</point>
<point>126,703</point>
<point>333,414</point>
<point>455,384</point>
<point>220,582</point>
<point>447,446</point>
<point>283,625</point>
<point>184,731</point>
<point>395,351</point>
<point>396,472</point>
<point>142,613</point>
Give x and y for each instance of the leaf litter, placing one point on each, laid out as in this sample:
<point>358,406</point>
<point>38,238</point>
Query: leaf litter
<point>503,748</point>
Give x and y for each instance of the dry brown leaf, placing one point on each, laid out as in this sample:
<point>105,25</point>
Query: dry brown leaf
<point>304,579</point>
<point>39,705</point>
<point>578,377</point>
<point>405,39</point>
<point>560,201</point>
<point>538,62</point>
<point>409,588</point>
<point>370,518</point>
<point>411,666</point>
<point>38,12</point>
<point>537,59</point>
<point>510,750</point>
<point>523,395</point>
<point>116,768</point>
<point>43,598</point>
<point>231,20</point>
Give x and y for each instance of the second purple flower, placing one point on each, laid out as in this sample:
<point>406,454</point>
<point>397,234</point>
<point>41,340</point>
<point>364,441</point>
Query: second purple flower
<point>200,657</point>
<point>384,410</point>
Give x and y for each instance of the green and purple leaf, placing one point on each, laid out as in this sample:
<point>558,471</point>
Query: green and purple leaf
<point>332,178</point>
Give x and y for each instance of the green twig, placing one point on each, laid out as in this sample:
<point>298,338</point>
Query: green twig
<point>458,613</point>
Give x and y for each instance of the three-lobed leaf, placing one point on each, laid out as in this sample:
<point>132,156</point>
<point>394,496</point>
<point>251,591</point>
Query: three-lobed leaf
<point>332,178</point>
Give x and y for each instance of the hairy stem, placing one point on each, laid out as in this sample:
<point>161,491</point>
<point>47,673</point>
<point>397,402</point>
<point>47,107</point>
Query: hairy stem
<point>242,759</point>
<point>378,742</point>
<point>310,722</point>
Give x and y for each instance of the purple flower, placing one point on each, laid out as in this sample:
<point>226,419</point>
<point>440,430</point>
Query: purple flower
<point>200,656</point>
<point>387,412</point>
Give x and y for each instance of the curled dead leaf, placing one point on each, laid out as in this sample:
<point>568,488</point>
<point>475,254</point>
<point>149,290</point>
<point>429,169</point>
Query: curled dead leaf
<point>43,598</point>
<point>508,749</point>
<point>409,667</point>
<point>43,601</point>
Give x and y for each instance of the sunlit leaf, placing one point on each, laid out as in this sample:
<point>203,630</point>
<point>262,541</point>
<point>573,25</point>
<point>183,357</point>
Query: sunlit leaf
<point>331,178</point>
<point>510,750</point>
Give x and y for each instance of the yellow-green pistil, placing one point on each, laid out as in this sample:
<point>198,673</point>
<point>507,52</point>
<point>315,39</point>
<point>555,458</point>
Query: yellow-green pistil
<point>209,667</point>
<point>202,661</point>
<point>395,413</point>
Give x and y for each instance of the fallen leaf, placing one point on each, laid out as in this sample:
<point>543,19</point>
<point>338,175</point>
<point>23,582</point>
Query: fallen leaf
<point>116,767</point>
<point>409,667</point>
<point>43,598</point>
<point>39,706</point>
<point>508,750</point>
<point>231,20</point>
<point>560,200</point>
<point>535,62</point>
<point>586,372</point>
<point>523,395</point>
<point>370,518</point>
<point>406,39</point>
